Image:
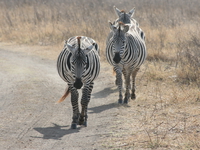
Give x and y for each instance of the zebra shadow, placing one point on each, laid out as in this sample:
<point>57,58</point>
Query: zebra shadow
<point>56,132</point>
<point>104,93</point>
<point>99,109</point>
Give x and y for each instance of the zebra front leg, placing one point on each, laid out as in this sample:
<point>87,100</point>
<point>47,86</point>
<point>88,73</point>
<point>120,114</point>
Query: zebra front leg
<point>74,102</point>
<point>87,90</point>
<point>127,83</point>
<point>119,84</point>
<point>133,96</point>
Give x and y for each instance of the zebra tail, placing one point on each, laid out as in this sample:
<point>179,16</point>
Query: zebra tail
<point>64,96</point>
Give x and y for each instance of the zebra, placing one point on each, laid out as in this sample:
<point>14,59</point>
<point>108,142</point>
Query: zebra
<point>126,52</point>
<point>78,64</point>
<point>127,18</point>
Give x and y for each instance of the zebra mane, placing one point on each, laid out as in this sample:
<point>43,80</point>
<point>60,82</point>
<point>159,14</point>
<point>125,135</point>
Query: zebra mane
<point>79,43</point>
<point>119,29</point>
<point>120,24</point>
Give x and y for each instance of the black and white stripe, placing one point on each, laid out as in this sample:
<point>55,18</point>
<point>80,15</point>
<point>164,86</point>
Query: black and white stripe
<point>126,52</point>
<point>79,64</point>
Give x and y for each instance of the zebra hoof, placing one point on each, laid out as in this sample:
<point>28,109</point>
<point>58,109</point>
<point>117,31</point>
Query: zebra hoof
<point>133,96</point>
<point>120,101</point>
<point>81,121</point>
<point>85,123</point>
<point>73,126</point>
<point>125,101</point>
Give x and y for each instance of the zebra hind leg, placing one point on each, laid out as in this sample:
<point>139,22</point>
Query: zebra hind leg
<point>76,113</point>
<point>84,103</point>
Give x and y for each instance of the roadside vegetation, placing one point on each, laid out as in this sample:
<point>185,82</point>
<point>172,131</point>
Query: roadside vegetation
<point>166,113</point>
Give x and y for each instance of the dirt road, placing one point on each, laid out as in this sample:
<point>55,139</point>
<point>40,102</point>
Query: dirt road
<point>30,119</point>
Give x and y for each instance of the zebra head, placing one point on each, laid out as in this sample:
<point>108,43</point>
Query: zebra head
<point>123,16</point>
<point>79,61</point>
<point>119,40</point>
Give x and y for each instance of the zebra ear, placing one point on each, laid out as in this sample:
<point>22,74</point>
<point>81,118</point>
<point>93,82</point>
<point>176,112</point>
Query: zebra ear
<point>131,12</point>
<point>65,44</point>
<point>110,24</point>
<point>126,28</point>
<point>89,48</point>
<point>71,48</point>
<point>112,27</point>
<point>117,11</point>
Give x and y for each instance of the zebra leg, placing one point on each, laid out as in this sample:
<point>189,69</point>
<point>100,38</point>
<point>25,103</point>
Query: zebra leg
<point>74,102</point>
<point>119,84</point>
<point>133,96</point>
<point>127,83</point>
<point>87,90</point>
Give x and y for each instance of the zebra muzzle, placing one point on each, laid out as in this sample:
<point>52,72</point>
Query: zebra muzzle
<point>117,58</point>
<point>78,83</point>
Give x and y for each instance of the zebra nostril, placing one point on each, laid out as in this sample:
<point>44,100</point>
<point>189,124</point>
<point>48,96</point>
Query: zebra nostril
<point>78,83</point>
<point>117,58</point>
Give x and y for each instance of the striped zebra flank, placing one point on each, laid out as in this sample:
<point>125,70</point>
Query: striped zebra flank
<point>125,51</point>
<point>79,65</point>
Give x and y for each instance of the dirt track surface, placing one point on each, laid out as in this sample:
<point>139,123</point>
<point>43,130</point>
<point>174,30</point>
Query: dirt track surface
<point>30,119</point>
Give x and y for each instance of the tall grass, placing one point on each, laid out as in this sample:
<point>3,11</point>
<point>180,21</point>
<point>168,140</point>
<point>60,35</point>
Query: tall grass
<point>189,58</point>
<point>50,22</point>
<point>170,26</point>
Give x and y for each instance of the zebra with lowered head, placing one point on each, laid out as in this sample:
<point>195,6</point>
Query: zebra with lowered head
<point>126,52</point>
<point>79,64</point>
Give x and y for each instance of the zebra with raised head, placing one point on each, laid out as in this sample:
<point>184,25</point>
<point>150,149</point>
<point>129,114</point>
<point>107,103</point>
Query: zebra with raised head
<point>127,18</point>
<point>79,64</point>
<point>126,52</point>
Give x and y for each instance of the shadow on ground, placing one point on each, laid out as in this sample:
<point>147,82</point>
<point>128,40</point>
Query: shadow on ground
<point>99,109</point>
<point>105,92</point>
<point>56,132</point>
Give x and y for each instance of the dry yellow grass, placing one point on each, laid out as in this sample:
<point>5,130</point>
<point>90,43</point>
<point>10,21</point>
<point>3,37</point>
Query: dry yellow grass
<point>166,113</point>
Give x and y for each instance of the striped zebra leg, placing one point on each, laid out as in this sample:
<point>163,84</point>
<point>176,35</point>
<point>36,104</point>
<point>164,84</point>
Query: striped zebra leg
<point>134,73</point>
<point>87,90</point>
<point>118,82</point>
<point>127,83</point>
<point>74,102</point>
